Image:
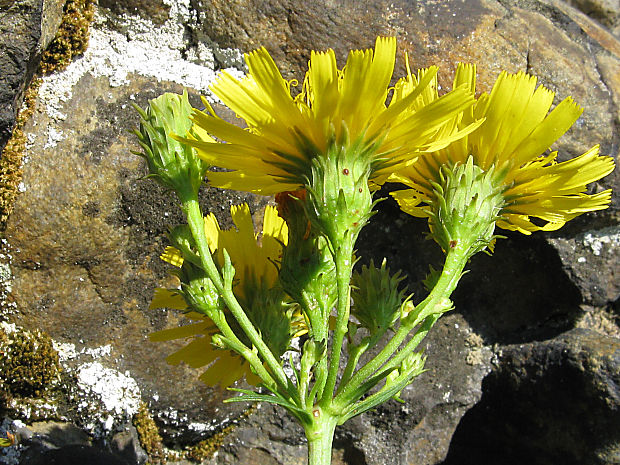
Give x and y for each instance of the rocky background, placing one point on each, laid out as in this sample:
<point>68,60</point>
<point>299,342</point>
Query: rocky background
<point>525,370</point>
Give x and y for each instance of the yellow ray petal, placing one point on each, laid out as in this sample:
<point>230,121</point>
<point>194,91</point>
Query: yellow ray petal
<point>173,256</point>
<point>196,354</point>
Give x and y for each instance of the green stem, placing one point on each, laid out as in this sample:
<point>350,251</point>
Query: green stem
<point>319,317</point>
<point>343,259</point>
<point>320,435</point>
<point>196,223</point>
<point>355,352</point>
<point>456,260</point>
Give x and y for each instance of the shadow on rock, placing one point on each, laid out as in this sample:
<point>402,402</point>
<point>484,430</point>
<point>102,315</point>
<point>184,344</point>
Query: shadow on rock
<point>519,294</point>
<point>547,403</point>
<point>76,455</point>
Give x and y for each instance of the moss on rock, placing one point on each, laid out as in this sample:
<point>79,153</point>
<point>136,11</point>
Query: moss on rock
<point>72,37</point>
<point>70,41</point>
<point>150,439</point>
<point>29,364</point>
<point>205,449</point>
<point>11,158</point>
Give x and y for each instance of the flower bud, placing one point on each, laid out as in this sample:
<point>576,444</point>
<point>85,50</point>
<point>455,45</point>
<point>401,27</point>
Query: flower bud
<point>339,202</point>
<point>272,316</point>
<point>307,270</point>
<point>376,298</point>
<point>172,163</point>
<point>465,207</point>
<point>313,352</point>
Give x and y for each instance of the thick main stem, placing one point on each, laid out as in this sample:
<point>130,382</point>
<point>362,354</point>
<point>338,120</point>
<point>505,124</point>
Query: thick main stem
<point>320,435</point>
<point>344,266</point>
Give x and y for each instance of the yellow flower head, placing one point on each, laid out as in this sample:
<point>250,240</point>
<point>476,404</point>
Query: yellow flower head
<point>253,259</point>
<point>539,192</point>
<point>335,106</point>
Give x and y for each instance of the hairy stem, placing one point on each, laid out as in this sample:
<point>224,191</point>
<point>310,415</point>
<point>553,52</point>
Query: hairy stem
<point>343,260</point>
<point>453,268</point>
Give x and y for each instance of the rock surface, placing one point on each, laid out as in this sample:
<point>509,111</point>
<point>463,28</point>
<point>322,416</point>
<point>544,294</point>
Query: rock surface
<point>549,402</point>
<point>80,251</point>
<point>26,29</point>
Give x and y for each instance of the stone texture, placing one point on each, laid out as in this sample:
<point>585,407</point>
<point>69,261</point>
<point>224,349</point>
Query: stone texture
<point>548,402</point>
<point>76,455</point>
<point>127,445</point>
<point>93,221</point>
<point>84,239</point>
<point>42,437</point>
<point>607,12</point>
<point>26,28</point>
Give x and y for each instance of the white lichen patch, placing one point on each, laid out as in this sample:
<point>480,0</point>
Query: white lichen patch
<point>105,397</point>
<point>6,281</point>
<point>8,328</point>
<point>67,351</point>
<point>53,137</point>
<point>142,48</point>
<point>601,240</point>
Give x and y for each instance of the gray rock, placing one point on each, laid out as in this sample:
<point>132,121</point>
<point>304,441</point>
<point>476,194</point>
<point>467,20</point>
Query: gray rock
<point>592,260</point>
<point>40,438</point>
<point>607,12</point>
<point>75,455</point>
<point>26,28</point>
<point>127,445</point>
<point>547,402</point>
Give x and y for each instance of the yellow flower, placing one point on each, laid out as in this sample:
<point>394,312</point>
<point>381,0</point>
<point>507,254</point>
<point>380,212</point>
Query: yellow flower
<point>539,192</point>
<point>254,259</point>
<point>284,134</point>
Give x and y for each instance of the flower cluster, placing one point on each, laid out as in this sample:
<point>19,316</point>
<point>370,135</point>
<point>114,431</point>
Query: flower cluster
<point>258,282</point>
<point>285,133</point>
<point>517,131</point>
<point>469,163</point>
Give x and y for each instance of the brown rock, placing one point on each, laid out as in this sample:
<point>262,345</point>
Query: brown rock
<point>607,12</point>
<point>87,239</point>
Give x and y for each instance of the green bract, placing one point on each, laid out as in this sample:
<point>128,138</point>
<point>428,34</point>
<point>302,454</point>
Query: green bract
<point>465,208</point>
<point>376,298</point>
<point>172,163</point>
<point>339,202</point>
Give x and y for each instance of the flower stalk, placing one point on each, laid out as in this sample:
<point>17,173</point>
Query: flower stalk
<point>191,208</point>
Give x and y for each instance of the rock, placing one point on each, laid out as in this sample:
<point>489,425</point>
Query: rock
<point>592,260</point>
<point>76,455</point>
<point>80,257</point>
<point>42,437</point>
<point>57,434</point>
<point>607,12</point>
<point>547,402</point>
<point>27,28</point>
<point>127,445</point>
